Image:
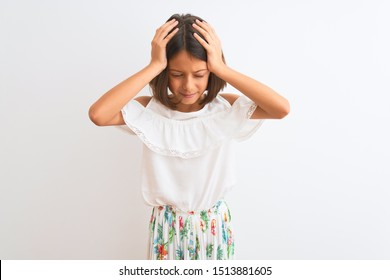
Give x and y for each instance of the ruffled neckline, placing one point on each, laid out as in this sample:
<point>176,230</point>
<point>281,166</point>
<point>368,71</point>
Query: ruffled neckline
<point>166,132</point>
<point>218,105</point>
<point>204,108</point>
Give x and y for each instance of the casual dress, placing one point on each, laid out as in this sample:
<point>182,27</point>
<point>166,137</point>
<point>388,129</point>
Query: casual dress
<point>188,166</point>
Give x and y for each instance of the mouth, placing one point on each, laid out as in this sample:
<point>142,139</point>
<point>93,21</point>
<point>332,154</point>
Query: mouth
<point>188,95</point>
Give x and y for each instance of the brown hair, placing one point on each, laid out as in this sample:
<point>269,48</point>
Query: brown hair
<point>185,40</point>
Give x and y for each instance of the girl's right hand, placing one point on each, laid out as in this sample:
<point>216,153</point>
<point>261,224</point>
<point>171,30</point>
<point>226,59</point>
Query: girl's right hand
<point>160,41</point>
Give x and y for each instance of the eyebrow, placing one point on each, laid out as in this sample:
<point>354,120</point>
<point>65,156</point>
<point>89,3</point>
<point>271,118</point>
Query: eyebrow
<point>194,72</point>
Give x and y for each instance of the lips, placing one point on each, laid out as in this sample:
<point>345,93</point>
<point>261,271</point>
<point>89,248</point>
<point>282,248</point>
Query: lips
<point>188,95</point>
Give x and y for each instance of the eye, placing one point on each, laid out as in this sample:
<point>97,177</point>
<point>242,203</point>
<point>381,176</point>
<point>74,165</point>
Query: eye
<point>199,76</point>
<point>176,75</point>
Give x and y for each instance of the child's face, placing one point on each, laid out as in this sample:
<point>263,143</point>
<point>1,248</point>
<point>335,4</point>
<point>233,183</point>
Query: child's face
<point>188,78</point>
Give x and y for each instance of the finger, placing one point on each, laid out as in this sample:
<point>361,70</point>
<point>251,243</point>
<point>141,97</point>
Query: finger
<point>167,27</point>
<point>163,31</point>
<point>203,42</point>
<point>204,25</point>
<point>164,25</point>
<point>170,22</point>
<point>207,27</point>
<point>170,35</point>
<point>206,30</point>
<point>204,33</point>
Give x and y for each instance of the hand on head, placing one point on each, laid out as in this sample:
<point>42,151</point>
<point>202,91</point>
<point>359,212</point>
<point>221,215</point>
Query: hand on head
<point>175,44</point>
<point>211,43</point>
<point>160,40</point>
<point>196,28</point>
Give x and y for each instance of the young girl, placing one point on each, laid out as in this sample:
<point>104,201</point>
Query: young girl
<point>188,130</point>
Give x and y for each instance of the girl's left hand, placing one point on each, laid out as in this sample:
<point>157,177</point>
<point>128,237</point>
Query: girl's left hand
<point>212,45</point>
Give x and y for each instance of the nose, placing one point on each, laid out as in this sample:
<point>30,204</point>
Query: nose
<point>188,84</point>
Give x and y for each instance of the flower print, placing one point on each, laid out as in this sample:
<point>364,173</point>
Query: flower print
<point>179,254</point>
<point>152,225</point>
<point>184,229</point>
<point>219,253</point>
<point>182,236</point>
<point>230,240</point>
<point>173,219</point>
<point>162,252</point>
<point>217,205</point>
<point>213,224</point>
<point>181,223</point>
<point>190,248</point>
<point>167,216</point>
<point>209,250</point>
<point>197,248</point>
<point>205,219</point>
<point>171,234</point>
<point>224,234</point>
<point>230,244</point>
<point>202,227</point>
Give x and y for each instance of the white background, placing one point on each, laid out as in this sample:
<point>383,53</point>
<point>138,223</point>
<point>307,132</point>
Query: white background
<point>314,185</point>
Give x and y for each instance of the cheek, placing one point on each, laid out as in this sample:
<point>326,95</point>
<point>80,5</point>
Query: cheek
<point>205,83</point>
<point>172,84</point>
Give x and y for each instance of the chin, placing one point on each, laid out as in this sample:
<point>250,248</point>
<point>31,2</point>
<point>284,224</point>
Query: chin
<point>189,99</point>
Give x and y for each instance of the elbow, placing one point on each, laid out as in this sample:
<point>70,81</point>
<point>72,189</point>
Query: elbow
<point>93,116</point>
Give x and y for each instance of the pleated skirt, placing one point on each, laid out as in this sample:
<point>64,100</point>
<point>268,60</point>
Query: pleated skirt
<point>193,235</point>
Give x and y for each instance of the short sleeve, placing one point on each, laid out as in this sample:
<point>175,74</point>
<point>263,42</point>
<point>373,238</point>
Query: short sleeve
<point>125,129</point>
<point>243,108</point>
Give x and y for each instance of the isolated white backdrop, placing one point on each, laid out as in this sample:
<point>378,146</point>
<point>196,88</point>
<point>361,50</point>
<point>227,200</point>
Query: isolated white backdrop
<point>314,185</point>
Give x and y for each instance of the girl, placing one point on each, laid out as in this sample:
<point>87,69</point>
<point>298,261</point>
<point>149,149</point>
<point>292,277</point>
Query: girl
<point>188,130</point>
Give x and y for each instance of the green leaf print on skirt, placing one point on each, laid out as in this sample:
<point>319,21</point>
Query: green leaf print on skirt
<point>191,235</point>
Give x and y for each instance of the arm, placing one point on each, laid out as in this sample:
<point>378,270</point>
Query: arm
<point>270,105</point>
<point>108,107</point>
<point>106,110</point>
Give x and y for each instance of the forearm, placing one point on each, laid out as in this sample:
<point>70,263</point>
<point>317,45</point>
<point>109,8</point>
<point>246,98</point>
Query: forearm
<point>108,105</point>
<point>265,97</point>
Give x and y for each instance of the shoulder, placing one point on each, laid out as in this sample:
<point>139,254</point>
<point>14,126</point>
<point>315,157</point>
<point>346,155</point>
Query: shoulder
<point>143,100</point>
<point>230,97</point>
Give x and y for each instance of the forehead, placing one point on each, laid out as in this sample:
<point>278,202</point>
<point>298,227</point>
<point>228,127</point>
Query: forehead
<point>184,62</point>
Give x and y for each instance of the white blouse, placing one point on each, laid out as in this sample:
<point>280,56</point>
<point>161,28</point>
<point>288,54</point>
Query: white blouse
<point>188,159</point>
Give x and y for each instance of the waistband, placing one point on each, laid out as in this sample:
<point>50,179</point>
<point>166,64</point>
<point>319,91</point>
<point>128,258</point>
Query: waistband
<point>218,208</point>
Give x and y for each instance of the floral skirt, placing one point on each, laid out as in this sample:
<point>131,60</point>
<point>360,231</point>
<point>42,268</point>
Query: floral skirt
<point>194,235</point>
